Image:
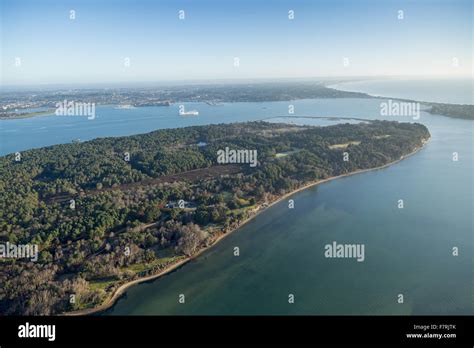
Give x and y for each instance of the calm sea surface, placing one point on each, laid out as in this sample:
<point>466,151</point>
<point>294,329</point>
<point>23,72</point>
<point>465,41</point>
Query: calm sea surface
<point>407,251</point>
<point>458,91</point>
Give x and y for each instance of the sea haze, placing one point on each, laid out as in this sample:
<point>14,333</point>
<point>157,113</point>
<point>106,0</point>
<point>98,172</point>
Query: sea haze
<point>450,91</point>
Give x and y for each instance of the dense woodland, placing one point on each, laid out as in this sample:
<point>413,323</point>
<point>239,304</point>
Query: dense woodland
<point>452,110</point>
<point>121,226</point>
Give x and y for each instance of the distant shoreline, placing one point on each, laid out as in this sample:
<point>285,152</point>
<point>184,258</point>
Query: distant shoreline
<point>328,90</point>
<point>340,84</point>
<point>108,303</point>
<point>451,110</point>
<point>29,115</point>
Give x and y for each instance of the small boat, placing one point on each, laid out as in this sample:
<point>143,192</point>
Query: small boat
<point>127,106</point>
<point>189,113</point>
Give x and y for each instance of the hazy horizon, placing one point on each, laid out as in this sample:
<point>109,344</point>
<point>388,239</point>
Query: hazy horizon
<point>129,42</point>
<point>325,80</point>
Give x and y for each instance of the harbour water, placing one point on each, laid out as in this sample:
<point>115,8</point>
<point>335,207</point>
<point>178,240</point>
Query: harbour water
<point>408,251</point>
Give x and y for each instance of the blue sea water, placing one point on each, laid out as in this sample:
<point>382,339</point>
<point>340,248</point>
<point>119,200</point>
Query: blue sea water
<point>450,91</point>
<point>408,251</point>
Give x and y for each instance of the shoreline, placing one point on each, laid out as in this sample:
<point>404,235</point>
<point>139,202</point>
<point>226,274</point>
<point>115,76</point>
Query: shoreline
<point>108,303</point>
<point>26,115</point>
<point>122,288</point>
<point>460,111</point>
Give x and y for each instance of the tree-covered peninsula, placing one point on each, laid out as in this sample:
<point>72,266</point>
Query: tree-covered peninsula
<point>105,212</point>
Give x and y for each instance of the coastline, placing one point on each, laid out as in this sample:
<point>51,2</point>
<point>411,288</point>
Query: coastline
<point>29,115</point>
<point>462,111</point>
<point>110,301</point>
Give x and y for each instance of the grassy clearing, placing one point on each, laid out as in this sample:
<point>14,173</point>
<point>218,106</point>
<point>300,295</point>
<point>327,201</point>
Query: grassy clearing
<point>343,146</point>
<point>101,284</point>
<point>142,267</point>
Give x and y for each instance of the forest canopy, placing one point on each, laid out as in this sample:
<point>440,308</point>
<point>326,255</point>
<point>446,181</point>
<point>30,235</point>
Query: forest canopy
<point>106,211</point>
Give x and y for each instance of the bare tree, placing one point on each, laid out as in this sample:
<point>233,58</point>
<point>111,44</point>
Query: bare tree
<point>191,238</point>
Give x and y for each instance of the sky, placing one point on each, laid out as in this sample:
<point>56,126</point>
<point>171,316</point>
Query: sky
<point>143,40</point>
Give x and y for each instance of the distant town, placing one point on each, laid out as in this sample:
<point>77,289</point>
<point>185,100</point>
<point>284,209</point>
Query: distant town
<point>29,103</point>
